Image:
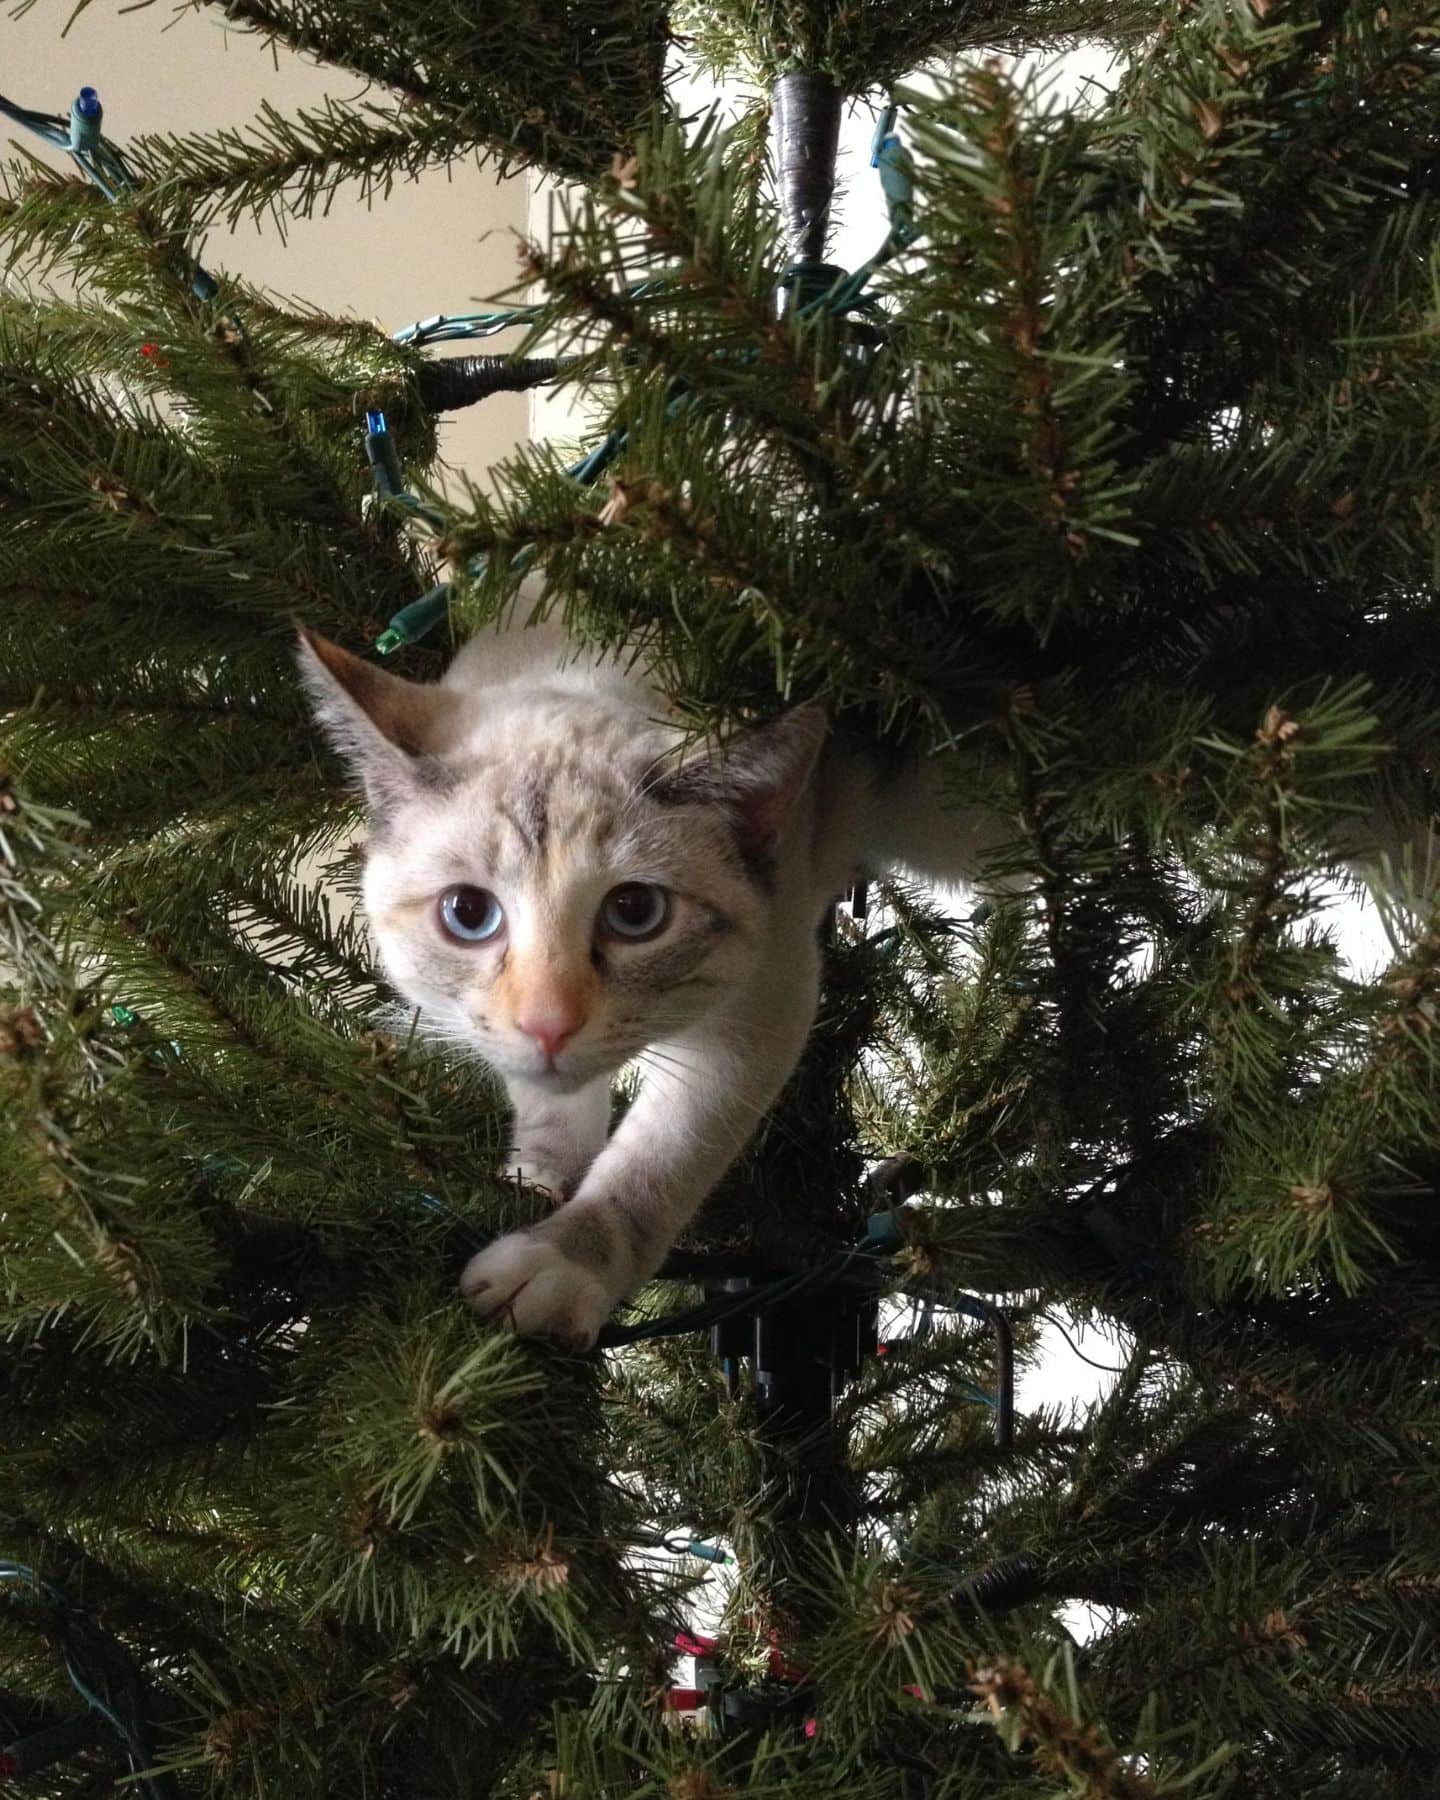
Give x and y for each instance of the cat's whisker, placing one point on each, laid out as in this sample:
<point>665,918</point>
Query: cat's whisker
<point>652,1057</point>
<point>679,1078</point>
<point>670,1064</point>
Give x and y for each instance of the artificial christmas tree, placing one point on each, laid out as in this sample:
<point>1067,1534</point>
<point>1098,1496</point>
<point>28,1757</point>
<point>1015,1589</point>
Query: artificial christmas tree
<point>1111,480</point>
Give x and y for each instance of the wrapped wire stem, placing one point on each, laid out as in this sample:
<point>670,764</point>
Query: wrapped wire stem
<point>999,1586</point>
<point>451,382</point>
<point>807,140</point>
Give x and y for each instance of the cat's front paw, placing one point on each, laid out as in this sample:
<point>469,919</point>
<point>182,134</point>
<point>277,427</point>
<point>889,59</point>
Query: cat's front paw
<point>534,1286</point>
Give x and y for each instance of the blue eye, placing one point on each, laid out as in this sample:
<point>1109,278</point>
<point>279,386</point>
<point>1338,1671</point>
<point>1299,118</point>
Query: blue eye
<point>471,914</point>
<point>635,910</point>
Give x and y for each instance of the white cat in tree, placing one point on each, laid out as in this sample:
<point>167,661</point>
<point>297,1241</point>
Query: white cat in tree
<point>562,887</point>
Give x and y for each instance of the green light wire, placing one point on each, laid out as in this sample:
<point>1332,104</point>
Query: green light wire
<point>100,162</point>
<point>447,328</point>
<point>846,294</point>
<point>130,1731</point>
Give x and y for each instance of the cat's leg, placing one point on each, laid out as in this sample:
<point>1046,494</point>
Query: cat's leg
<point>555,1137</point>
<point>704,1094</point>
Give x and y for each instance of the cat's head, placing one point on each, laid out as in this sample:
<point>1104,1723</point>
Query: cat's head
<point>547,878</point>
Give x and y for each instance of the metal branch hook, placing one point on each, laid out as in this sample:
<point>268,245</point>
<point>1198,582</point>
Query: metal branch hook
<point>982,1310</point>
<point>895,1180</point>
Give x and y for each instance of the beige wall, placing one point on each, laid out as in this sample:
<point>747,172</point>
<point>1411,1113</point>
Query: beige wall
<point>423,250</point>
<point>443,244</point>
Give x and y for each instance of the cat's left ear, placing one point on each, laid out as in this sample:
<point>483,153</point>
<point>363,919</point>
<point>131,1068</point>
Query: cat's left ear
<point>387,729</point>
<point>757,775</point>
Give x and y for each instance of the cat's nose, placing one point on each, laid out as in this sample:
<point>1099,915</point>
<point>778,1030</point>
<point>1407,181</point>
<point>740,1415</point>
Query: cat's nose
<point>552,1029</point>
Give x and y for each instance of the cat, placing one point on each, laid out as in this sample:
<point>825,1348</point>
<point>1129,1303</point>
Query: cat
<point>561,883</point>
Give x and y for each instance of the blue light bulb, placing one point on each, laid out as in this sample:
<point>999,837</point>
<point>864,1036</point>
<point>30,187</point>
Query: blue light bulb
<point>375,422</point>
<point>85,115</point>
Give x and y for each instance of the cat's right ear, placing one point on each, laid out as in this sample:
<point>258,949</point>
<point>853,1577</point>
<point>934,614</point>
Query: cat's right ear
<point>387,729</point>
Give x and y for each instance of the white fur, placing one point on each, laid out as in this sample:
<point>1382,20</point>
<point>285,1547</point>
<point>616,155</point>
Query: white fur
<point>523,700</point>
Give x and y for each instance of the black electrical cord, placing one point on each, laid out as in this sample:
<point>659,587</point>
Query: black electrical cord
<point>857,1268</point>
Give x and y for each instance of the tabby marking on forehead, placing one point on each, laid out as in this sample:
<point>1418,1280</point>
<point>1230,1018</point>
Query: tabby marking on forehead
<point>528,811</point>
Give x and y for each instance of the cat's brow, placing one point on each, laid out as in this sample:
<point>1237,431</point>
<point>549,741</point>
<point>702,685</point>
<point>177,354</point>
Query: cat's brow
<point>427,775</point>
<point>528,813</point>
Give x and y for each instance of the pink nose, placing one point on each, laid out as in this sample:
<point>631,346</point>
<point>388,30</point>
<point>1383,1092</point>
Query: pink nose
<point>550,1030</point>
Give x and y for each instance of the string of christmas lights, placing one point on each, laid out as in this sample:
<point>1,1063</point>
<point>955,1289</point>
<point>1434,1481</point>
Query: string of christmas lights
<point>103,1673</point>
